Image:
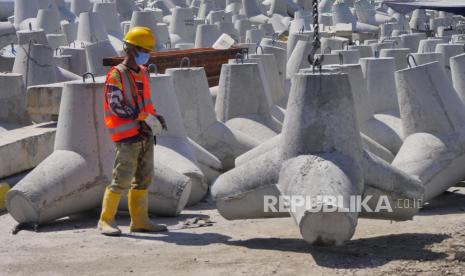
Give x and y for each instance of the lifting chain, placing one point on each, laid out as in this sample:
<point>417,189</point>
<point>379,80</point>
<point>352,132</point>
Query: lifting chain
<point>315,62</point>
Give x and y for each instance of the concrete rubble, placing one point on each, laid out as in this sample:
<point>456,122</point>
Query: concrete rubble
<point>381,115</point>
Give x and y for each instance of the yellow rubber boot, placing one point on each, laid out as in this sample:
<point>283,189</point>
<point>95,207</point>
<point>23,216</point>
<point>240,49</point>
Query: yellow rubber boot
<point>107,225</point>
<point>4,188</point>
<point>138,208</point>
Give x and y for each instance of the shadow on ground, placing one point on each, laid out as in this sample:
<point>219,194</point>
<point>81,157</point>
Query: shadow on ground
<point>360,253</point>
<point>450,202</point>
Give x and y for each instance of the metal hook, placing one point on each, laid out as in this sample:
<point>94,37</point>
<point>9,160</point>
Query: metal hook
<point>184,60</point>
<point>274,38</point>
<point>86,75</point>
<point>154,67</point>
<point>316,62</point>
<point>239,58</point>
<point>13,51</point>
<point>411,57</point>
<point>245,52</point>
<point>258,47</point>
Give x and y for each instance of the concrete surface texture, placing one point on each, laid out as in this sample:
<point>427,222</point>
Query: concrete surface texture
<point>383,118</point>
<point>425,118</point>
<point>200,120</point>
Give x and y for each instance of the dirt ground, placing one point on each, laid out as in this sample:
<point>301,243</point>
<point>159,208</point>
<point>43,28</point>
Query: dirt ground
<point>432,244</point>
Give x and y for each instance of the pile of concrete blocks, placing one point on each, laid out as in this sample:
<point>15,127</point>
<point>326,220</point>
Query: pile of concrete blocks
<point>381,121</point>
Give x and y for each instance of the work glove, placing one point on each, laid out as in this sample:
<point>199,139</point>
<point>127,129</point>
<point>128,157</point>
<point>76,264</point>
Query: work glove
<point>162,122</point>
<point>156,123</point>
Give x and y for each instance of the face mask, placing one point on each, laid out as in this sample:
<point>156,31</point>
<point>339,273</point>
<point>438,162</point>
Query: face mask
<point>142,58</point>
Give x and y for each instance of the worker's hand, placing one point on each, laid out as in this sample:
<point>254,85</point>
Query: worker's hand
<point>142,116</point>
<point>162,122</point>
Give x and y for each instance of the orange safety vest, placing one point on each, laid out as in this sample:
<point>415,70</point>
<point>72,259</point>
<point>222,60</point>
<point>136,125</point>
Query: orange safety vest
<point>123,128</point>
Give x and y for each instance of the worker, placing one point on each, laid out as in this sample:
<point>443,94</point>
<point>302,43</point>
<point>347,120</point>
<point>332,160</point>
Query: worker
<point>130,117</point>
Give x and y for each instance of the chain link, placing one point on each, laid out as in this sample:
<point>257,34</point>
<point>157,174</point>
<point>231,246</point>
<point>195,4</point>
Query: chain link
<point>315,62</point>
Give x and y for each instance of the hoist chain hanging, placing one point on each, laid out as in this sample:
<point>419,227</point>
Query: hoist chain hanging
<point>315,62</point>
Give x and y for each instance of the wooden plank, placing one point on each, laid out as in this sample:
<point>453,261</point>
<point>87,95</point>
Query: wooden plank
<point>209,58</point>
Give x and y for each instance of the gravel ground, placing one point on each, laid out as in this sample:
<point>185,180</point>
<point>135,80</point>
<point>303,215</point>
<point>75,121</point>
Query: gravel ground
<point>432,244</point>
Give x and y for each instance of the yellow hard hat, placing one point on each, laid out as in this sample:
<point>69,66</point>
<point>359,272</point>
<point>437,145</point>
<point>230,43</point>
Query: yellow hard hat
<point>141,37</point>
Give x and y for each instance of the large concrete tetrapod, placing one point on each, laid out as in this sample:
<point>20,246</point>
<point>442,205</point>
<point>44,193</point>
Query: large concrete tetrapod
<point>366,13</point>
<point>25,13</point>
<point>207,35</point>
<point>95,52</point>
<point>322,144</point>
<point>182,28</point>
<point>173,148</point>
<point>109,14</point>
<point>433,119</point>
<point>35,63</point>
<point>457,66</point>
<point>343,14</point>
<point>244,102</point>
<point>13,101</point>
<point>386,128</point>
<point>73,178</point>
<point>199,118</point>
<point>253,12</point>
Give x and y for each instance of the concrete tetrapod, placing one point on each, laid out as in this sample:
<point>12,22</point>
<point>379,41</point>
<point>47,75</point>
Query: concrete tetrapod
<point>91,29</point>
<point>199,118</point>
<point>411,41</point>
<point>281,60</point>
<point>182,29</point>
<point>173,148</point>
<point>298,58</point>
<point>81,166</point>
<point>457,66</point>
<point>80,6</point>
<point>322,146</point>
<point>386,129</point>
<point>343,14</point>
<point>95,52</point>
<point>109,13</point>
<point>239,193</point>
<point>399,55</point>
<point>433,119</point>
<point>49,21</point>
<point>244,102</point>
<point>206,35</point>
<point>447,51</point>
<point>25,13</point>
<point>13,100</point>
<point>35,63</point>
<point>293,39</point>
<point>418,20</point>
<point>364,110</point>
<point>253,12</point>
<point>277,94</point>
<point>366,13</point>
